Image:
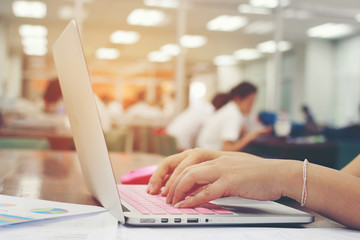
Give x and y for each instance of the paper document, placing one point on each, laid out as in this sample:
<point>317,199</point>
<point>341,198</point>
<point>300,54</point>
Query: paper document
<point>93,226</point>
<point>18,210</point>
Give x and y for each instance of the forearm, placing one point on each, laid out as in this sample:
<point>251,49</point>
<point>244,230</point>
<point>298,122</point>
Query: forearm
<point>331,193</point>
<point>353,167</point>
<point>240,144</point>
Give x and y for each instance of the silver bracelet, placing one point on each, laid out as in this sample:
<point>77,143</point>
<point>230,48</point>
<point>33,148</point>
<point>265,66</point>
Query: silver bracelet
<point>304,191</point>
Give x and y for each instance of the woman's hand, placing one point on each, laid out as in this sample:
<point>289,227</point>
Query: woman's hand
<point>215,174</point>
<point>172,166</point>
<point>248,177</point>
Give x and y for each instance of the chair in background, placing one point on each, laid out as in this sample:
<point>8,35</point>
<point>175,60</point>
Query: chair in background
<point>165,145</point>
<point>119,140</point>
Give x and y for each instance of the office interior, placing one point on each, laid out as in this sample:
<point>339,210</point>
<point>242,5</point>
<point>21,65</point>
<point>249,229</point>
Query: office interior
<point>173,54</point>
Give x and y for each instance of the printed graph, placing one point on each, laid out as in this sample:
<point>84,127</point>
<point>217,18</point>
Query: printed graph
<point>49,210</point>
<point>10,219</point>
<point>7,204</point>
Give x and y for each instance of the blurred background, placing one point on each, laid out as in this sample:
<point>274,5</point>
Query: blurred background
<point>169,54</point>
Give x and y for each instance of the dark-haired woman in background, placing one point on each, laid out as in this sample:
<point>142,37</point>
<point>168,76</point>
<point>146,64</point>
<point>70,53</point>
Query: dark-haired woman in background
<point>222,130</point>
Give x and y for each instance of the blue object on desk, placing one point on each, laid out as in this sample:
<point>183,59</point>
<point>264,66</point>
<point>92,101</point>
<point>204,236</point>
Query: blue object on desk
<point>267,118</point>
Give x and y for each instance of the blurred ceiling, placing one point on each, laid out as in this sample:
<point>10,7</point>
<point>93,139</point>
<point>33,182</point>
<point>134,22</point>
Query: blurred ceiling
<point>106,16</point>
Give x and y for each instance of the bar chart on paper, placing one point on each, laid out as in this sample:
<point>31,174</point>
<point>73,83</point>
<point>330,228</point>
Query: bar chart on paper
<point>10,219</point>
<point>19,210</point>
<point>49,210</point>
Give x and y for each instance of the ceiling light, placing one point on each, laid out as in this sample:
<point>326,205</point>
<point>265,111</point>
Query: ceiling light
<point>30,9</point>
<point>124,37</point>
<point>330,30</point>
<point>247,9</point>
<point>36,50</point>
<point>26,30</point>
<point>264,3</point>
<point>225,60</point>
<point>107,53</point>
<point>193,41</point>
<point>66,12</point>
<point>297,13</point>
<point>171,49</point>
<point>270,46</point>
<point>31,42</point>
<point>226,23</point>
<point>144,17</point>
<point>162,3</point>
<point>157,56</point>
<point>259,27</point>
<point>247,54</point>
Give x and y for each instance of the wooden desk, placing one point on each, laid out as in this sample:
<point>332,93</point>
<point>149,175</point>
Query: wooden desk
<point>57,176</point>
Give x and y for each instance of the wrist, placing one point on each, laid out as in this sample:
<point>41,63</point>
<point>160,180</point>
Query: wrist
<point>291,178</point>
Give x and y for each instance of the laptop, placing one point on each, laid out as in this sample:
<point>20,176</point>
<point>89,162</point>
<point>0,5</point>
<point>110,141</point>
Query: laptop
<point>130,204</point>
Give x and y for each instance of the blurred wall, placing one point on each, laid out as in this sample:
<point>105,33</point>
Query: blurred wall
<point>319,79</point>
<point>347,81</point>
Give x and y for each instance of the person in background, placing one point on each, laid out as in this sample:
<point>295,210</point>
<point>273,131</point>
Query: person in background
<point>222,130</point>
<point>220,100</point>
<point>185,127</point>
<point>52,96</point>
<point>310,124</point>
<point>54,103</point>
<point>114,107</point>
<point>144,113</point>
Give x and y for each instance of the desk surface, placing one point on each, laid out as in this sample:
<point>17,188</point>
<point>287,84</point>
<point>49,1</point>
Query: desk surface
<point>57,176</point>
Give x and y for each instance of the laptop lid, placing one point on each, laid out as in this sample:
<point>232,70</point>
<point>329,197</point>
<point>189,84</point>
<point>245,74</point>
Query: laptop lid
<point>84,119</point>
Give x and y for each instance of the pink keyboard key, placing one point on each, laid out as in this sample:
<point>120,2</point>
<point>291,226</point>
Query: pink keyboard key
<point>173,211</point>
<point>222,211</point>
<point>204,210</point>
<point>155,204</point>
<point>157,211</point>
<point>189,211</point>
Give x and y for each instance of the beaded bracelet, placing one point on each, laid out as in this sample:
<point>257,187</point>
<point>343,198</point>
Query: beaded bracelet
<point>304,191</point>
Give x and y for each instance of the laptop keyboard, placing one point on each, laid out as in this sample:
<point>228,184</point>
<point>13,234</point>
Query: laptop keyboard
<point>147,204</point>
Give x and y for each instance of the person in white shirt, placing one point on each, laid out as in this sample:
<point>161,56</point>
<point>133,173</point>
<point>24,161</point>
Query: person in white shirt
<point>222,130</point>
<point>186,126</point>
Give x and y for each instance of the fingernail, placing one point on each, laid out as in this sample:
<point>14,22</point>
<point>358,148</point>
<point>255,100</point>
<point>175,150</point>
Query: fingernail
<point>163,192</point>
<point>150,188</point>
<point>179,204</point>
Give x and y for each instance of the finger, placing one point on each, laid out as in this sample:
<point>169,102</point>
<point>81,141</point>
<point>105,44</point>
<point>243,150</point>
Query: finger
<point>209,193</point>
<point>172,187</point>
<point>199,175</point>
<point>195,156</point>
<point>190,160</point>
<point>161,174</point>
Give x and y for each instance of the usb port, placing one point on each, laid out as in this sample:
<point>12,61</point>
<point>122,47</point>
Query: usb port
<point>177,220</point>
<point>164,220</point>
<point>192,220</point>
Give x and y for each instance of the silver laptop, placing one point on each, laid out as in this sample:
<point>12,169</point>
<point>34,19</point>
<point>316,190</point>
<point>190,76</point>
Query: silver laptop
<point>131,204</point>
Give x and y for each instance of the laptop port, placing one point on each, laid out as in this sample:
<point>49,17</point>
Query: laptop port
<point>147,220</point>
<point>192,220</point>
<point>164,220</point>
<point>177,220</point>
